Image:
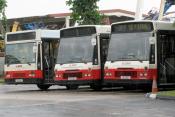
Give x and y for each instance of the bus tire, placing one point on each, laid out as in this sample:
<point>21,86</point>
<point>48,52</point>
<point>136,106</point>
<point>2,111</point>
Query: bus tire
<point>147,88</point>
<point>96,87</point>
<point>71,87</point>
<point>43,87</point>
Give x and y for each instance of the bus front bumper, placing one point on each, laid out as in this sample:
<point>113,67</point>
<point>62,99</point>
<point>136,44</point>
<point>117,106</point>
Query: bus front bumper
<point>125,82</point>
<point>24,81</point>
<point>76,82</point>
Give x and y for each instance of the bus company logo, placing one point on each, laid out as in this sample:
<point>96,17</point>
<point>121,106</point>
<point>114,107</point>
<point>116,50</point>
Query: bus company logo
<point>72,65</point>
<point>18,66</point>
<point>126,63</point>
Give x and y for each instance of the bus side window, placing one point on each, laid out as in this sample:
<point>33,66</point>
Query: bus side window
<point>39,58</point>
<point>152,54</point>
<point>95,55</point>
<point>172,45</point>
<point>105,48</point>
<point>55,50</point>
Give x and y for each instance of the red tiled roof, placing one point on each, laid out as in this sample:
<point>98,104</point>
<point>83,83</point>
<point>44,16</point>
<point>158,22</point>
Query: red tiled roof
<point>101,11</point>
<point>117,10</point>
<point>60,14</point>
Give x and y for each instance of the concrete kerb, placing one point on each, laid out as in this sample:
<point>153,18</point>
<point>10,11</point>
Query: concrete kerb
<point>165,97</point>
<point>151,95</point>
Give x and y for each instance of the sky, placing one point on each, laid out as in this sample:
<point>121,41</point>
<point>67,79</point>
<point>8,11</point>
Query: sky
<point>25,8</point>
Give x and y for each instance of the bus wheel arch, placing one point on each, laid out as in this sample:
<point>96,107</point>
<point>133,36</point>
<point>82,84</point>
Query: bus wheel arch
<point>43,87</point>
<point>72,87</point>
<point>96,87</point>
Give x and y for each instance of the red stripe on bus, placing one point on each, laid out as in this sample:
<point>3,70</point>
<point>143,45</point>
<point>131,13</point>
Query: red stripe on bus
<point>24,74</point>
<point>133,74</point>
<point>78,74</point>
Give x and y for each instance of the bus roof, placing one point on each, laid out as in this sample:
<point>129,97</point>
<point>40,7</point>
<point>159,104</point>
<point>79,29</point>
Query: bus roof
<point>158,25</point>
<point>43,33</point>
<point>99,28</point>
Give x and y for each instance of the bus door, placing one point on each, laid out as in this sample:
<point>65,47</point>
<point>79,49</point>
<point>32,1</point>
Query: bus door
<point>49,50</point>
<point>104,42</point>
<point>166,57</point>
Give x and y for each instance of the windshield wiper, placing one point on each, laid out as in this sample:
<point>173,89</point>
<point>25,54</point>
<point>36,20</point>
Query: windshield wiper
<point>25,59</point>
<point>77,59</point>
<point>111,60</point>
<point>135,57</point>
<point>28,63</point>
<point>74,61</point>
<point>139,59</point>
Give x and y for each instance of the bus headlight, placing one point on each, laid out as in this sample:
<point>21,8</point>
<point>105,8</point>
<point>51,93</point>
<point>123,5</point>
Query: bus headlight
<point>108,74</point>
<point>143,74</point>
<point>87,74</point>
<point>58,75</point>
<point>32,74</point>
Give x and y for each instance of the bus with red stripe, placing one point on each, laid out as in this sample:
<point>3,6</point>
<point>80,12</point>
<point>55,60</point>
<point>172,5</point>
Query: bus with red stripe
<point>140,51</point>
<point>30,57</point>
<point>81,56</point>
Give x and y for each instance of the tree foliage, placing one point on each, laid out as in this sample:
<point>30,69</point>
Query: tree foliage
<point>3,5</point>
<point>85,11</point>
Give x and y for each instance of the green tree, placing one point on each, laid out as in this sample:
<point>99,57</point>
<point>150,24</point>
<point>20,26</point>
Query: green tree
<point>85,11</point>
<point>3,19</point>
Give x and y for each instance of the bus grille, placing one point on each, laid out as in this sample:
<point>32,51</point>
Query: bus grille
<point>133,74</point>
<point>77,75</point>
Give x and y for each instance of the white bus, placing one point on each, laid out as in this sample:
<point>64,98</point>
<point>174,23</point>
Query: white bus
<point>81,56</point>
<point>30,57</point>
<point>140,51</point>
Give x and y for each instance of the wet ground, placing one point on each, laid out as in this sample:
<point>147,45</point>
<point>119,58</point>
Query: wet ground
<point>28,101</point>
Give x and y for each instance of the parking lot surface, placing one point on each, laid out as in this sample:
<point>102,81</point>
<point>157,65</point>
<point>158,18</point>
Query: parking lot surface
<point>28,101</point>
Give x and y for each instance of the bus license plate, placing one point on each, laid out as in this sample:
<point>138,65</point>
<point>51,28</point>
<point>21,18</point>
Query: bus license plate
<point>18,80</point>
<point>125,77</point>
<point>72,78</point>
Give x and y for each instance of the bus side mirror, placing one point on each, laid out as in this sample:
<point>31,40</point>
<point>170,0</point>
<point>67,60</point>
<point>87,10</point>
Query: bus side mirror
<point>34,49</point>
<point>152,40</point>
<point>93,40</point>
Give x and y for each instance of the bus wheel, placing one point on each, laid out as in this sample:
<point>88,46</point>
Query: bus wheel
<point>146,88</point>
<point>43,87</point>
<point>130,87</point>
<point>71,87</point>
<point>96,87</point>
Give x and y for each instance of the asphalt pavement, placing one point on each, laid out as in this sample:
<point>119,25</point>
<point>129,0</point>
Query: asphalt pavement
<point>28,101</point>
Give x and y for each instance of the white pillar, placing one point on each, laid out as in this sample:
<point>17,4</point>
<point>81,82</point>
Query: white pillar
<point>162,6</point>
<point>139,10</point>
<point>67,21</point>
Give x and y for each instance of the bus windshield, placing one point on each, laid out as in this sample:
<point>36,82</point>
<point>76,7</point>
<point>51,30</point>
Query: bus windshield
<point>20,53</point>
<point>75,50</point>
<point>129,46</point>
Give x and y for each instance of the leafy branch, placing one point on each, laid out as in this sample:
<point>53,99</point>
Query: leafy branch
<point>3,5</point>
<point>85,11</point>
